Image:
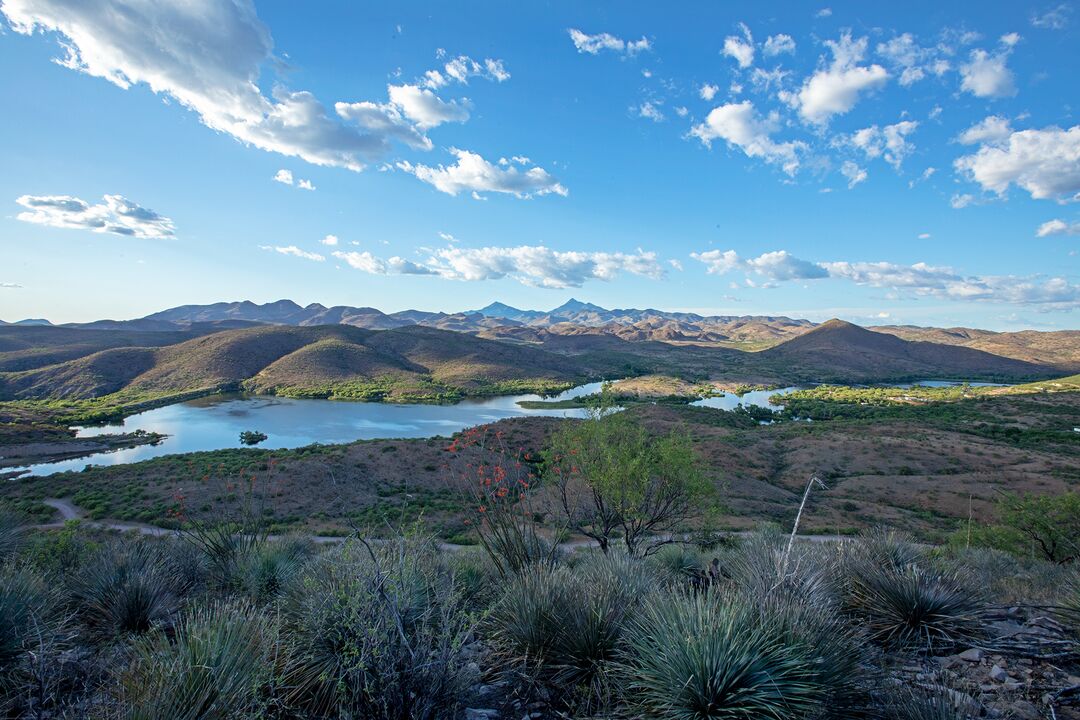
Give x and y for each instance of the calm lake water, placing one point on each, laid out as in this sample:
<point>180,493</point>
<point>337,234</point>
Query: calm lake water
<point>213,423</point>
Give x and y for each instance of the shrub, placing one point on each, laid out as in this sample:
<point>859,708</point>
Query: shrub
<point>377,633</point>
<point>30,636</point>
<point>758,568</point>
<point>923,704</point>
<point>680,561</point>
<point>223,655</point>
<point>11,534</point>
<point>915,606</point>
<point>565,624</point>
<point>696,657</point>
<point>128,587</point>
<point>266,570</point>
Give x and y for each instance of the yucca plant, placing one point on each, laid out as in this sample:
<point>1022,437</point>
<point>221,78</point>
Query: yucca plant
<point>11,534</point>
<point>565,624</point>
<point>679,561</point>
<point>377,633</point>
<point>914,607</point>
<point>218,665</point>
<point>129,587</point>
<point>268,567</point>
<point>922,704</point>
<point>698,657</point>
<point>32,637</point>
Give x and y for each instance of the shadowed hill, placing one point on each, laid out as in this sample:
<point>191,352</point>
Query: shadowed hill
<point>300,360</point>
<point>838,350</point>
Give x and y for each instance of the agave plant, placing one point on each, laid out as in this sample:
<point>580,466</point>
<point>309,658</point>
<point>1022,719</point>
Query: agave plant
<point>129,587</point>
<point>695,657</point>
<point>220,660</point>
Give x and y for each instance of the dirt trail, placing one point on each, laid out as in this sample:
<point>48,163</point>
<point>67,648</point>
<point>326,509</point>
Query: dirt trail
<point>69,511</point>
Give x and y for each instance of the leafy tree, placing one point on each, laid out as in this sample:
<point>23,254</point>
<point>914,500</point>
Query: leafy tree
<point>612,476</point>
<point>1045,525</point>
<point>252,437</point>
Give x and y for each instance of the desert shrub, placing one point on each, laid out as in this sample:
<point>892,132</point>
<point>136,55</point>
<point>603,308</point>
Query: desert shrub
<point>377,633</point>
<point>693,657</point>
<point>915,606</point>
<point>1069,603</point>
<point>31,635</point>
<point>267,568</point>
<point>679,561</point>
<point>1007,578</point>
<point>11,534</point>
<point>220,661</point>
<point>129,586</point>
<point>922,704</point>
<point>564,625</point>
<point>62,551</point>
<point>760,568</point>
<point>475,575</point>
<point>1041,526</point>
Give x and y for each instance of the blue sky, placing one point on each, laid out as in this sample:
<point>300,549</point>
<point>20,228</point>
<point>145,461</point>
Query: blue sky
<point>884,163</point>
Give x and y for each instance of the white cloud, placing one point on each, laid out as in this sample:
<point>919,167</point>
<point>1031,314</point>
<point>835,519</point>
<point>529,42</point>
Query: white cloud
<point>682,111</point>
<point>425,108</point>
<point>779,265</point>
<point>1046,163</point>
<point>473,173</point>
<point>294,252</point>
<point>593,44</point>
<point>1054,19</point>
<point>823,13</point>
<point>207,56</point>
<point>924,236</point>
<point>778,44</point>
<point>836,89</point>
<point>911,60</point>
<point>853,173</point>
<point>986,75</point>
<point>116,215</point>
<point>537,265</point>
<point>1057,227</point>
<point>331,240</point>
<point>961,200</point>
<point>741,49</point>
<point>651,111</point>
<point>918,280</point>
<point>889,142</point>
<point>708,92</point>
<point>285,177</point>
<point>10,286</point>
<point>741,126</point>
<point>991,130</point>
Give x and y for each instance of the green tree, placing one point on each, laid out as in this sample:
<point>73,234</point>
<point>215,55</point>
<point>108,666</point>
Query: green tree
<point>612,476</point>
<point>1050,522</point>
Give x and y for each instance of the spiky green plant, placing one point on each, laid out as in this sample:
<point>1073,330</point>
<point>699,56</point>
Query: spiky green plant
<point>922,704</point>
<point>264,573</point>
<point>11,534</point>
<point>129,587</point>
<point>377,633</point>
<point>697,657</point>
<point>565,624</point>
<point>220,661</point>
<point>679,561</point>
<point>914,607</point>
<point>31,623</point>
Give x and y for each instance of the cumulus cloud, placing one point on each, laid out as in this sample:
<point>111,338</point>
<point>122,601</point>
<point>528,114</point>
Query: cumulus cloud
<point>918,280</point>
<point>207,56</point>
<point>594,44</point>
<point>331,240</point>
<point>473,173</point>
<point>777,265</point>
<point>777,45</point>
<point>533,265</point>
<point>740,125</point>
<point>986,75</point>
<point>1057,227</point>
<point>913,61</point>
<point>889,142</point>
<point>294,252</point>
<point>835,90</point>
<point>741,49</point>
<point>708,92</point>
<point>285,177</point>
<point>116,215</point>
<point>991,130</point>
<point>1045,163</point>
<point>425,108</point>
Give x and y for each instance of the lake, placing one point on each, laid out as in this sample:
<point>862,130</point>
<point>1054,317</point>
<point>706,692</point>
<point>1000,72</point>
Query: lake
<point>214,423</point>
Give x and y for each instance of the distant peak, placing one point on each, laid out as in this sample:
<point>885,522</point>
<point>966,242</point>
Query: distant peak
<point>575,305</point>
